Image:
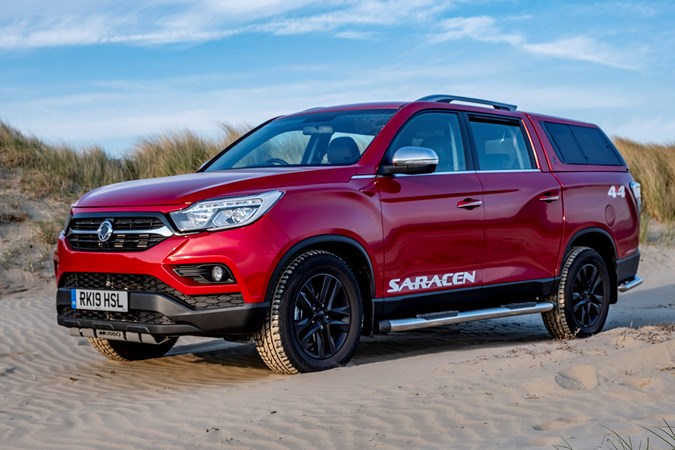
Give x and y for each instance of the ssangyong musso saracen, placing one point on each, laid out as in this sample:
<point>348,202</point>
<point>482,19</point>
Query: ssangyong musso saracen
<point>319,227</point>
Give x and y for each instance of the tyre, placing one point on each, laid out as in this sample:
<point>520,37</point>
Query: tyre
<point>131,351</point>
<point>583,296</point>
<point>315,316</point>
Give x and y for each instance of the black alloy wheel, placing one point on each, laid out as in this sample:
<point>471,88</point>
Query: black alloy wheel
<point>322,316</point>
<point>588,296</point>
<point>581,302</point>
<point>315,316</point>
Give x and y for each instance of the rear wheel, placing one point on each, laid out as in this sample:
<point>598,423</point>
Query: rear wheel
<point>583,296</point>
<point>131,351</point>
<point>315,317</point>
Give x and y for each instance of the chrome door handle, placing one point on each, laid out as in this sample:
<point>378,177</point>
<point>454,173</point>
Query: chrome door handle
<point>469,203</point>
<point>549,198</point>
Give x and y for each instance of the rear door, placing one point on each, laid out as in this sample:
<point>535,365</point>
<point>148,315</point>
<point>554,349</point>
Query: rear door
<point>522,205</point>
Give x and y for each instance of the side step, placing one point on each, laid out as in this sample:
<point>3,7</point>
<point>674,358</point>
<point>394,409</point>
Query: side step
<point>446,318</point>
<point>630,284</point>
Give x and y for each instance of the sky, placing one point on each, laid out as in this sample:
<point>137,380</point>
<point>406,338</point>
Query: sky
<point>110,72</point>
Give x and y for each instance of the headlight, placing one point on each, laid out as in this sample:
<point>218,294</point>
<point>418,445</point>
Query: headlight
<point>225,213</point>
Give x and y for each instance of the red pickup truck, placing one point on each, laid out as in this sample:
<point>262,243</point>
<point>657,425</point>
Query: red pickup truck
<point>318,227</point>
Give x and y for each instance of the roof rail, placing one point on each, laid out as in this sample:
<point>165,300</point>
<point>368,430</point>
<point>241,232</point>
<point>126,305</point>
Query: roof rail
<point>451,98</point>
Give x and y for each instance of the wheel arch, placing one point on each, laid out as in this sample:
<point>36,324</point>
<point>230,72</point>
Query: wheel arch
<point>349,250</point>
<point>600,241</point>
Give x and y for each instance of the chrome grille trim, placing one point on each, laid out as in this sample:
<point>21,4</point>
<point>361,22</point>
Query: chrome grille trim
<point>164,231</point>
<point>131,232</point>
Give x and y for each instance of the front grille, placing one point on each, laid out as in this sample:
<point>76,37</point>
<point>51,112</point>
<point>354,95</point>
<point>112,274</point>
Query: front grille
<point>136,316</point>
<point>121,223</point>
<point>129,233</point>
<point>146,283</point>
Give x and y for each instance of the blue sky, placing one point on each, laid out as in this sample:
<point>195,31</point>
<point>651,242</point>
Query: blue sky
<point>110,72</point>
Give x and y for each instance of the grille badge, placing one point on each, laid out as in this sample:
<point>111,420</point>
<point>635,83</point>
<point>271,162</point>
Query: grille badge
<point>104,231</point>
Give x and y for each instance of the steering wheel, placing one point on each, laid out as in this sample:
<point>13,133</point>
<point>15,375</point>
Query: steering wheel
<point>276,162</point>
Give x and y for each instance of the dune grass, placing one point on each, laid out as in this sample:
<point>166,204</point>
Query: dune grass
<point>654,167</point>
<point>660,436</point>
<point>64,172</point>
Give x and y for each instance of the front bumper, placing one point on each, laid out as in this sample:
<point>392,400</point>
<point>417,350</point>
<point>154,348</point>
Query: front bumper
<point>159,315</point>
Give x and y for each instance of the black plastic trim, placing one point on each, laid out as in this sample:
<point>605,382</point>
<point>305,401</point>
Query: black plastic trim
<point>586,231</point>
<point>245,319</point>
<point>323,239</point>
<point>464,299</point>
<point>626,268</point>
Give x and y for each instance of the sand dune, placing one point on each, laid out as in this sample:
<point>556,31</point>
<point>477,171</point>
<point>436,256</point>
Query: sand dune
<point>495,384</point>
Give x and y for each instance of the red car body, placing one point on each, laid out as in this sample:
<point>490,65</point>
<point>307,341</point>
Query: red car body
<point>412,241</point>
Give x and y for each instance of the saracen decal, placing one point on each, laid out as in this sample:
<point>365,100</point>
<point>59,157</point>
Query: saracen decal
<point>426,282</point>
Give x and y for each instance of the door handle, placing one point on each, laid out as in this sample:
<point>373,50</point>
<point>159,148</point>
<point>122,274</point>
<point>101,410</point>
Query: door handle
<point>469,203</point>
<point>549,198</point>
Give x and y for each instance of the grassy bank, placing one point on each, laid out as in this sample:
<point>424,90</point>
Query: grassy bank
<point>65,173</point>
<point>654,167</point>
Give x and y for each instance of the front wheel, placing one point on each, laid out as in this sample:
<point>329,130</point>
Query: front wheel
<point>315,318</point>
<point>583,296</point>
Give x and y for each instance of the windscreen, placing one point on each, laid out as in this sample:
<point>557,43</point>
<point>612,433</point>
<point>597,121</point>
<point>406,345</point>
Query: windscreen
<point>312,139</point>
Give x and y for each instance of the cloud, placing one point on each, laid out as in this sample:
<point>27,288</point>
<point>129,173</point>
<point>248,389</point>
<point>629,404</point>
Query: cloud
<point>485,29</point>
<point>180,21</point>
<point>356,35</point>
<point>480,28</point>
<point>580,48</point>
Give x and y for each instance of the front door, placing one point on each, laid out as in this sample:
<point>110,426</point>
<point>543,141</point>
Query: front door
<point>433,223</point>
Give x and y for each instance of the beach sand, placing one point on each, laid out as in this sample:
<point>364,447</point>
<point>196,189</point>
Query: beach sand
<point>501,383</point>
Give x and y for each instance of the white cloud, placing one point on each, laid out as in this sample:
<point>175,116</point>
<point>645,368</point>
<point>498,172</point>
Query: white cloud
<point>480,28</point>
<point>359,13</point>
<point>579,48</point>
<point>182,21</point>
<point>356,35</point>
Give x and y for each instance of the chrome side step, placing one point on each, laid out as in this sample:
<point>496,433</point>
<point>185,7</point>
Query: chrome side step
<point>117,335</point>
<point>449,317</point>
<point>630,284</point>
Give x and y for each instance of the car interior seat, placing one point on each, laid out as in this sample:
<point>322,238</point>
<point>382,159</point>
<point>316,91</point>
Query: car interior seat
<point>343,150</point>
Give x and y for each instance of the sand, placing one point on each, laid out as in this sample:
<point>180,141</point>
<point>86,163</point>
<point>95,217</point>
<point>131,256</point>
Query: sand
<point>495,384</point>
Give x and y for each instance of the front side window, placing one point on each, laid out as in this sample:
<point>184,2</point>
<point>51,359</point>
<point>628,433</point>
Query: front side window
<point>500,144</point>
<point>438,131</point>
<point>335,138</point>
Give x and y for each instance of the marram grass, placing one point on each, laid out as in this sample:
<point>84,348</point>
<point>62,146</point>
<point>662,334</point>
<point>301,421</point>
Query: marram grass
<point>62,172</point>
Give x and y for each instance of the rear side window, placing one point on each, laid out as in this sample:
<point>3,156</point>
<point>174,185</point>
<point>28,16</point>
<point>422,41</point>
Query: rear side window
<point>582,145</point>
<point>500,144</point>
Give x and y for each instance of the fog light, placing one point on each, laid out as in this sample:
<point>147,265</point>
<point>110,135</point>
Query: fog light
<point>217,273</point>
<point>206,273</point>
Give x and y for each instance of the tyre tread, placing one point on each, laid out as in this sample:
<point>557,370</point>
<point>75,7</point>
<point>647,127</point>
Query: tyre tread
<point>555,320</point>
<point>268,339</point>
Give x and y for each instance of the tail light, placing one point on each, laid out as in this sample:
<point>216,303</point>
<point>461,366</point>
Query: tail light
<point>637,194</point>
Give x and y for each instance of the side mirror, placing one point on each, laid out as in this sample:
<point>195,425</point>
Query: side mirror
<point>411,160</point>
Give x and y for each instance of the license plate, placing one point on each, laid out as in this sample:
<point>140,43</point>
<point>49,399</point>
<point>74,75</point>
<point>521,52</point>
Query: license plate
<point>117,301</point>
